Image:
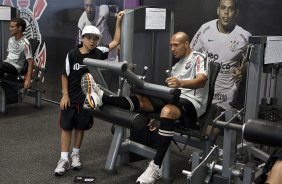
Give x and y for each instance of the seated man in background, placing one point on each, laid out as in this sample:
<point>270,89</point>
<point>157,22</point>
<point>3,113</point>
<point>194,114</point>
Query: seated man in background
<point>189,74</point>
<point>19,52</point>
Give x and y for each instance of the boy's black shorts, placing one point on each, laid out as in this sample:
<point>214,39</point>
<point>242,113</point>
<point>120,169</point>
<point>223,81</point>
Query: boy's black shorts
<point>76,117</point>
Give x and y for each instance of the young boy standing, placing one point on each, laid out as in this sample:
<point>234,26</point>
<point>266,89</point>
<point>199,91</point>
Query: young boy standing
<point>73,115</point>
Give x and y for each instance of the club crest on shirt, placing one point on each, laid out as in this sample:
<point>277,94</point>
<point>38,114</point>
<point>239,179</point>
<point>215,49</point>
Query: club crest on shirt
<point>233,45</point>
<point>187,65</point>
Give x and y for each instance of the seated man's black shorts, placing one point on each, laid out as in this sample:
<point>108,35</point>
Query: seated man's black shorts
<point>187,109</point>
<point>76,117</point>
<point>6,67</point>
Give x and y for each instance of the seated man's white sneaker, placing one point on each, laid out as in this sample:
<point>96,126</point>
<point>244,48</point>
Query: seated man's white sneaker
<point>75,162</point>
<point>62,167</point>
<point>150,175</point>
<point>92,92</point>
<point>92,101</point>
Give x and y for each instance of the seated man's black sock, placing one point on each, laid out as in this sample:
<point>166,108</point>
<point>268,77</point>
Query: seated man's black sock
<point>166,133</point>
<point>131,103</point>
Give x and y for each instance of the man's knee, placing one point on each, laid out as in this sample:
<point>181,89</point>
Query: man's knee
<point>275,175</point>
<point>145,104</point>
<point>170,111</point>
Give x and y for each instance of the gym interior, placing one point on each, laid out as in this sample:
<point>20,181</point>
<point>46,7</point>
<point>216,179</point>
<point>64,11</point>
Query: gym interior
<point>119,146</point>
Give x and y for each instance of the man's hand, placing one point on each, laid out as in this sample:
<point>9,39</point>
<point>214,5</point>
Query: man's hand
<point>173,82</point>
<point>237,74</point>
<point>65,102</point>
<point>27,83</point>
<point>152,125</point>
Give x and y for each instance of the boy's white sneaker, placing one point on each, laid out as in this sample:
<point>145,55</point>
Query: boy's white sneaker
<point>62,167</point>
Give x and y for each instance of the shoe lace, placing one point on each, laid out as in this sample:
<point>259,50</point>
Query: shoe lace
<point>75,158</point>
<point>86,104</point>
<point>96,88</point>
<point>63,163</point>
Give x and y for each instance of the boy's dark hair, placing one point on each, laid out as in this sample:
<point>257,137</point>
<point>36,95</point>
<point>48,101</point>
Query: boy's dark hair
<point>20,23</point>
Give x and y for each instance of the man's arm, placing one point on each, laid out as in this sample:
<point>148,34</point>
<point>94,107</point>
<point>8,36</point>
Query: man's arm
<point>197,42</point>
<point>80,25</point>
<point>198,82</point>
<point>113,44</point>
<point>241,71</point>
<point>27,82</point>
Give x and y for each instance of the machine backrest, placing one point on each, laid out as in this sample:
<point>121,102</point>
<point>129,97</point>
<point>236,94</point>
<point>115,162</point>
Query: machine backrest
<point>211,109</point>
<point>203,121</point>
<point>34,43</point>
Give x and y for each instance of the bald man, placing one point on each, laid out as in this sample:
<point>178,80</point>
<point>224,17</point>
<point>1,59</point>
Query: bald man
<point>189,75</point>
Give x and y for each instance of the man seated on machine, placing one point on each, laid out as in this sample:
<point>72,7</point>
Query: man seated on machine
<point>19,52</point>
<point>190,74</point>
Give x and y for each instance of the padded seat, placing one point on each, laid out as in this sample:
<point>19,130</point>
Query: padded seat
<point>198,129</point>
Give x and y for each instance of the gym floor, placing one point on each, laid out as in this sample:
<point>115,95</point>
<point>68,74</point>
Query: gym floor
<point>30,150</point>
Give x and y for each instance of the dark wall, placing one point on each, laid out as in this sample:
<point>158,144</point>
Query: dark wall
<point>259,17</point>
<point>58,28</point>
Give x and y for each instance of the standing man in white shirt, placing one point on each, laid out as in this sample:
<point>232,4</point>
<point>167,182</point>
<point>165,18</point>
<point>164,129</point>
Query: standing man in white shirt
<point>97,16</point>
<point>224,42</point>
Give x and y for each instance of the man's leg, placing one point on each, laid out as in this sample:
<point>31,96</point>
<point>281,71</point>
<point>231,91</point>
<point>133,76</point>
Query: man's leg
<point>131,103</point>
<point>166,131</point>
<point>96,97</point>
<point>275,174</point>
<point>7,68</point>
<point>168,115</point>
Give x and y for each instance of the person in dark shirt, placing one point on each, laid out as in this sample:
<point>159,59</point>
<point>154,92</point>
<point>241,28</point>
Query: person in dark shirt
<point>73,115</point>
